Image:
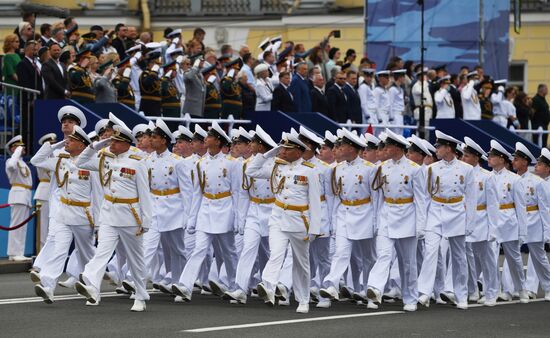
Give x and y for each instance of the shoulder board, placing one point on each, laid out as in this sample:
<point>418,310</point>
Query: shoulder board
<point>134,148</point>
<point>382,163</point>
<point>367,163</point>
<point>247,160</point>
<point>200,160</point>
<point>135,157</point>
<point>229,157</point>
<point>414,164</point>
<point>280,161</point>
<point>176,156</point>
<point>308,164</point>
<point>324,163</point>
<point>63,155</point>
<point>108,154</point>
<point>485,171</point>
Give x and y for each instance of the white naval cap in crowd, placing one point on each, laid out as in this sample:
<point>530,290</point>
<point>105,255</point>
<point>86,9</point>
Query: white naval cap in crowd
<point>73,113</point>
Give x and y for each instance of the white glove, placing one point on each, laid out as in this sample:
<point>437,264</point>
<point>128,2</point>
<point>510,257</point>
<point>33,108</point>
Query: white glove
<point>127,72</point>
<point>522,239</point>
<point>163,43</point>
<point>179,59</point>
<point>469,232</point>
<point>58,145</point>
<point>101,144</point>
<point>272,152</point>
<point>168,74</point>
<point>197,63</point>
<point>175,41</point>
<point>138,55</point>
<point>420,234</point>
<point>212,79</point>
<point>155,68</point>
<point>546,238</point>
<point>491,238</point>
<point>231,73</point>
<point>191,229</point>
<point>501,89</point>
<point>241,230</point>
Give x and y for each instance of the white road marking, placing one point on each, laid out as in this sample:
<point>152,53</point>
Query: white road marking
<point>61,298</point>
<point>508,303</point>
<point>291,321</point>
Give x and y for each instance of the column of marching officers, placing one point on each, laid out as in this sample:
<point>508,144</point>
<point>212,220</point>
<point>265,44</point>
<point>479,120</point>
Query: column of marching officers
<point>344,217</point>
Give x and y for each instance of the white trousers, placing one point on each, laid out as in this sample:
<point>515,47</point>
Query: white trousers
<point>473,269</point>
<point>442,267</point>
<point>83,236</point>
<point>251,251</point>
<point>341,260</point>
<point>151,244</point>
<point>538,268</point>
<point>109,238</point>
<point>224,247</point>
<point>47,249</point>
<point>17,238</point>
<point>173,248</point>
<point>278,243</point>
<point>513,277</point>
<point>319,260</point>
<point>44,221</point>
<point>406,260</point>
<point>426,278</point>
<point>488,267</point>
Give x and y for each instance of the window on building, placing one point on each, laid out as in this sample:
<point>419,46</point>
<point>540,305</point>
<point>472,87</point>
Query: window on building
<point>518,74</point>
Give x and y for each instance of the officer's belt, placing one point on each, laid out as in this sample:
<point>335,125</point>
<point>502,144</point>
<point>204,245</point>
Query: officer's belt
<point>117,200</point>
<point>75,203</point>
<point>151,98</point>
<point>262,200</point>
<point>300,208</point>
<point>21,185</point>
<point>127,101</point>
<point>323,198</point>
<point>404,200</point>
<point>166,192</point>
<point>213,105</point>
<point>449,200</point>
<point>481,207</point>
<point>44,180</point>
<point>354,203</point>
<point>171,104</point>
<point>217,196</point>
<point>235,102</point>
<point>507,206</point>
<point>532,208</point>
<point>81,94</point>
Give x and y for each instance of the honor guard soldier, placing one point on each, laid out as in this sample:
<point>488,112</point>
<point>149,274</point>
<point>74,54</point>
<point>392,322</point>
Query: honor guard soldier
<point>137,64</point>
<point>470,98</point>
<point>19,198</point>
<point>400,220</point>
<point>42,194</point>
<point>184,142</point>
<point>319,255</point>
<point>443,99</point>
<point>80,197</point>
<point>124,216</point>
<point>482,240</point>
<point>214,214</point>
<point>354,214</point>
<point>80,83</point>
<point>396,96</point>
<point>543,191</point>
<point>170,101</point>
<point>505,201</point>
<point>172,190</point>
<point>451,214</point>
<point>295,219</point>
<point>121,82</point>
<point>212,100</point>
<point>230,90</point>
<point>255,230</point>
<point>532,188</point>
<point>149,86</point>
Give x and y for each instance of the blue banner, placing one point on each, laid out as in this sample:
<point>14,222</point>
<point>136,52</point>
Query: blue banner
<point>451,33</point>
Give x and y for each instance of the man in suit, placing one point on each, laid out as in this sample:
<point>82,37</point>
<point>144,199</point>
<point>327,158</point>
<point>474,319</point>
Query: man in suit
<point>28,76</point>
<point>541,116</point>
<point>353,99</point>
<point>300,88</point>
<point>120,42</point>
<point>283,99</point>
<point>337,99</point>
<point>319,101</point>
<point>195,89</point>
<point>55,75</point>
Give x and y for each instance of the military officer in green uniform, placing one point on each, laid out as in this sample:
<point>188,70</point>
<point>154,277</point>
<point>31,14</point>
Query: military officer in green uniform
<point>124,91</point>
<point>149,86</point>
<point>170,102</point>
<point>80,83</point>
<point>212,101</point>
<point>232,103</point>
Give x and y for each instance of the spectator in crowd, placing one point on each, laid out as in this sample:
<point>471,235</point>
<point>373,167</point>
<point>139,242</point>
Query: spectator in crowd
<point>46,33</point>
<point>27,71</point>
<point>283,100</point>
<point>198,35</point>
<point>248,62</point>
<point>300,88</point>
<point>524,112</point>
<point>248,95</point>
<point>104,89</point>
<point>133,33</point>
<point>264,88</point>
<point>349,59</point>
<point>120,42</point>
<point>334,56</point>
<point>10,61</point>
<point>337,99</point>
<point>92,68</point>
<point>541,113</point>
<point>352,97</point>
<point>25,33</point>
<point>55,75</point>
<point>316,59</point>
<point>319,101</point>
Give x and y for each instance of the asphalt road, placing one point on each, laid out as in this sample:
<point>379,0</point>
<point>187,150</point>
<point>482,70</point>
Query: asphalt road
<point>24,315</point>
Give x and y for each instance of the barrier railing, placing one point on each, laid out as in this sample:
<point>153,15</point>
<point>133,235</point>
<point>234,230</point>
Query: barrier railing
<point>349,125</point>
<point>539,132</point>
<point>187,120</point>
<point>16,108</point>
